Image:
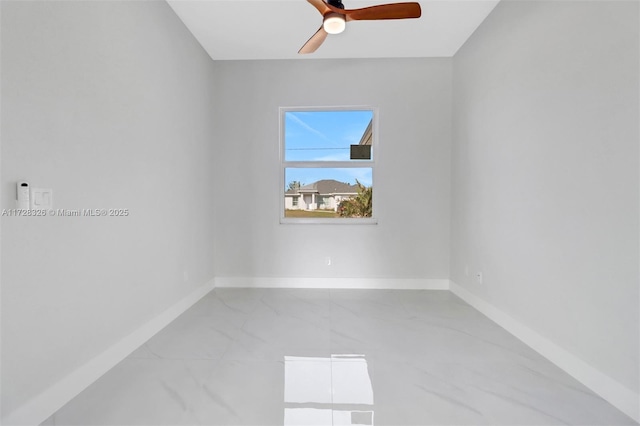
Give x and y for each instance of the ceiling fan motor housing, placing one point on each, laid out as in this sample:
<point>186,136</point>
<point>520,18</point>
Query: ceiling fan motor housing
<point>336,3</point>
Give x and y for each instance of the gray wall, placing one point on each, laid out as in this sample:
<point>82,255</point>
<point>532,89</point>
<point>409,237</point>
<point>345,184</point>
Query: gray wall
<point>98,96</point>
<point>411,239</point>
<point>545,174</point>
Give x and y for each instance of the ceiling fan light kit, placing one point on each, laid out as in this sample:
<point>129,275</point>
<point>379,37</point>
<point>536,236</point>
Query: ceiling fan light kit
<point>335,17</point>
<point>334,23</point>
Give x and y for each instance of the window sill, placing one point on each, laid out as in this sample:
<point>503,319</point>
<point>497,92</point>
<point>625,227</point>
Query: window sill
<point>321,221</point>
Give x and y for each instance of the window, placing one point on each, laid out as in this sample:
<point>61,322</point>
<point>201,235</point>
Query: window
<point>328,163</point>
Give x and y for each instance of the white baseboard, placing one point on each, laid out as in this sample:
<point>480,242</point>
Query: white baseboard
<point>334,283</point>
<point>51,400</point>
<point>618,395</point>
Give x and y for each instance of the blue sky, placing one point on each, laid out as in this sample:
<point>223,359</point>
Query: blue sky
<point>324,136</point>
<point>307,176</point>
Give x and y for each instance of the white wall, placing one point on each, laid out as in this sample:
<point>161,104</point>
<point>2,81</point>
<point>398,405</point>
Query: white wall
<point>411,239</point>
<point>110,104</point>
<point>545,174</point>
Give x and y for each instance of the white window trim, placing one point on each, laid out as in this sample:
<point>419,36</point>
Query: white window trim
<point>329,165</point>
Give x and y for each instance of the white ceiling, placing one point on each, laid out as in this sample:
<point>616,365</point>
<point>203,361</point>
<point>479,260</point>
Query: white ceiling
<point>276,29</point>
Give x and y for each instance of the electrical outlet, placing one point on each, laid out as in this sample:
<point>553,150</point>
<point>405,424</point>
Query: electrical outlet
<point>479,278</point>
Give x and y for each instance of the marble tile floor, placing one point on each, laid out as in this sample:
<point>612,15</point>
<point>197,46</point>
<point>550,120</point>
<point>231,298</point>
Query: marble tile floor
<point>335,357</point>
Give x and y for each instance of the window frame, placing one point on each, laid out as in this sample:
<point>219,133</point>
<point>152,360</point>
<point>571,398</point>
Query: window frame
<point>352,164</point>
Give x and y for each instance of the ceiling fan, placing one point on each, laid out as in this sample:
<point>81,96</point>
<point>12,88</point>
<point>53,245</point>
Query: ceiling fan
<point>335,17</point>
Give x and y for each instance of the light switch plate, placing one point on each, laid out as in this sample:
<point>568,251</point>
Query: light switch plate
<point>41,198</point>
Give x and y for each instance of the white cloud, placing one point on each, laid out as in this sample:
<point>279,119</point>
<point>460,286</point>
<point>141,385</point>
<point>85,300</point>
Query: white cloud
<point>306,126</point>
<point>334,157</point>
<point>362,175</point>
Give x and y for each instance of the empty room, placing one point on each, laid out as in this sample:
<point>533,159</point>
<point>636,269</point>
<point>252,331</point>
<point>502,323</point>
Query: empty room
<point>310,212</point>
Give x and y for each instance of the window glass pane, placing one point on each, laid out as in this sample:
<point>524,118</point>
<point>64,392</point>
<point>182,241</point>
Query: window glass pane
<point>328,135</point>
<point>328,192</point>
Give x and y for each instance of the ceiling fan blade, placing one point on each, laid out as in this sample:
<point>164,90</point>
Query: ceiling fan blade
<point>384,11</point>
<point>321,6</point>
<point>314,42</point>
